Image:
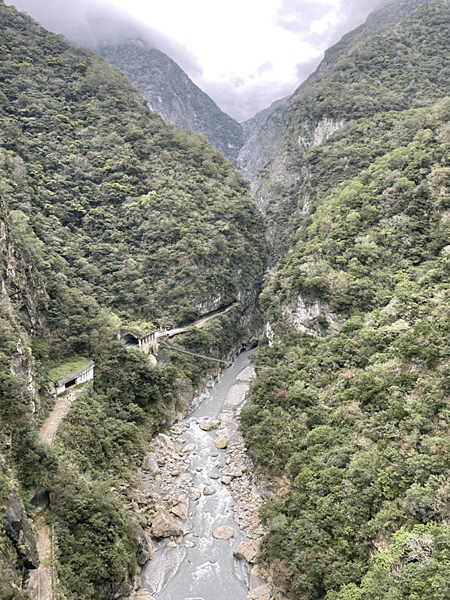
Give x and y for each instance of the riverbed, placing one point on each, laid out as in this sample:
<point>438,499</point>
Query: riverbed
<point>206,479</point>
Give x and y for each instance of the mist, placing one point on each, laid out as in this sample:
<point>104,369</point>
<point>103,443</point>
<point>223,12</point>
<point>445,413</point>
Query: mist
<point>316,23</point>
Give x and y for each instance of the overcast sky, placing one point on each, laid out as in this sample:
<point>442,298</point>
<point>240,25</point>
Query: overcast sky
<point>243,53</point>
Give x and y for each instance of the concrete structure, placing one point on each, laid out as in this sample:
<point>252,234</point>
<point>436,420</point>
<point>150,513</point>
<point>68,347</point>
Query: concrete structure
<point>73,379</point>
<point>146,342</point>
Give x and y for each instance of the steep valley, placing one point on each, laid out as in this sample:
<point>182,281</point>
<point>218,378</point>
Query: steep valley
<point>332,479</point>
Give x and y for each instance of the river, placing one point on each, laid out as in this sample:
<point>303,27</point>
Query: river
<point>199,566</point>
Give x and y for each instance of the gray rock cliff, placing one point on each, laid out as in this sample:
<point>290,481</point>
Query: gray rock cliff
<point>173,95</point>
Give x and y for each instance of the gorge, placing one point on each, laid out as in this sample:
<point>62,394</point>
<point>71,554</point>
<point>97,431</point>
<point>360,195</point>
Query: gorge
<point>334,261</point>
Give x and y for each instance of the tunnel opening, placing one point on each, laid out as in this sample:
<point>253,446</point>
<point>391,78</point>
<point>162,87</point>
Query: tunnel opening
<point>71,383</point>
<point>130,340</point>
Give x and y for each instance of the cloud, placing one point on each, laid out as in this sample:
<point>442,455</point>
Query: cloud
<point>243,99</point>
<point>297,16</point>
<point>305,68</point>
<point>265,68</point>
<point>92,23</point>
<point>243,63</point>
<point>321,23</point>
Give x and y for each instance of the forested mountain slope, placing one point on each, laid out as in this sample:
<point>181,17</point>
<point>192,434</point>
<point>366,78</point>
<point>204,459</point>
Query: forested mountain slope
<point>356,78</point>
<point>171,93</point>
<point>141,214</point>
<point>353,423</point>
<point>107,216</point>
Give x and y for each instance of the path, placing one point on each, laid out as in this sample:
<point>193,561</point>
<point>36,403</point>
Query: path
<point>198,324</point>
<point>48,430</point>
<point>39,586</point>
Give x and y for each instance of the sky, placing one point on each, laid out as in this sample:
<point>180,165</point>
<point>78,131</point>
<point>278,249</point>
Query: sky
<point>243,53</point>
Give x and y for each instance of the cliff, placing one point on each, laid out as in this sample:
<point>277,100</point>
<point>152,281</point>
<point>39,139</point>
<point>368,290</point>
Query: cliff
<point>173,95</point>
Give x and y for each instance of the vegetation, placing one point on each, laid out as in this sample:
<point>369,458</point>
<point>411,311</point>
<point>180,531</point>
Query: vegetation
<point>397,61</point>
<point>67,368</point>
<point>107,216</point>
<point>353,421</point>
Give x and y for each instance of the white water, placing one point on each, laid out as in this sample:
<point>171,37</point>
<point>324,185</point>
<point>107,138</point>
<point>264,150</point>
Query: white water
<point>207,571</point>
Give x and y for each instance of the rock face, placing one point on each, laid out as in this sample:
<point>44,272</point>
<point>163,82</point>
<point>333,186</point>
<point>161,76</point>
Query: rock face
<point>15,524</point>
<point>261,133</point>
<point>312,316</point>
<point>169,92</point>
<point>145,547</point>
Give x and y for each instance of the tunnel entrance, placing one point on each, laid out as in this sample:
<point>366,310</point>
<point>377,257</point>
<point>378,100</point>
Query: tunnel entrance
<point>71,383</point>
<point>130,340</point>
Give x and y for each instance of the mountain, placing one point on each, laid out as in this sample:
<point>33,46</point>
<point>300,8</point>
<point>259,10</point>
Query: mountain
<point>261,135</point>
<point>109,219</point>
<point>173,95</point>
<point>282,125</point>
<point>351,425</point>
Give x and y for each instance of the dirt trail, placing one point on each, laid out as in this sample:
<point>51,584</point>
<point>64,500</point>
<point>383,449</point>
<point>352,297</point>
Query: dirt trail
<point>48,430</point>
<point>39,585</point>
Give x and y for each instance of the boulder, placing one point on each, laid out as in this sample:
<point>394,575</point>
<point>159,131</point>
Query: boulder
<point>261,592</point>
<point>248,551</point>
<point>205,426</point>
<point>188,448</point>
<point>221,441</point>
<point>223,532</point>
<point>165,440</point>
<point>195,493</point>
<point>164,524</point>
<point>145,547</point>
<point>150,462</point>
<point>177,511</point>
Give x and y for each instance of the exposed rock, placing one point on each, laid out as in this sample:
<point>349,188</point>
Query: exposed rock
<point>171,93</point>
<point>189,447</point>
<point>140,594</point>
<point>304,317</point>
<point>164,525</point>
<point>177,511</point>
<point>223,532</point>
<point>226,480</point>
<point>145,547</point>
<point>221,441</point>
<point>248,551</point>
<point>205,426</point>
<point>262,592</point>
<point>214,476</point>
<point>150,462</point>
<point>18,530</point>
<point>40,499</point>
<point>195,493</point>
<point>207,491</point>
<point>165,440</point>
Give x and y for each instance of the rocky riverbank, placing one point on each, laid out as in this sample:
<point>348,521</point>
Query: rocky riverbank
<point>198,508</point>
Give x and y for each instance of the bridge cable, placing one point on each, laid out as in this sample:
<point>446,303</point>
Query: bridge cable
<point>227,362</point>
